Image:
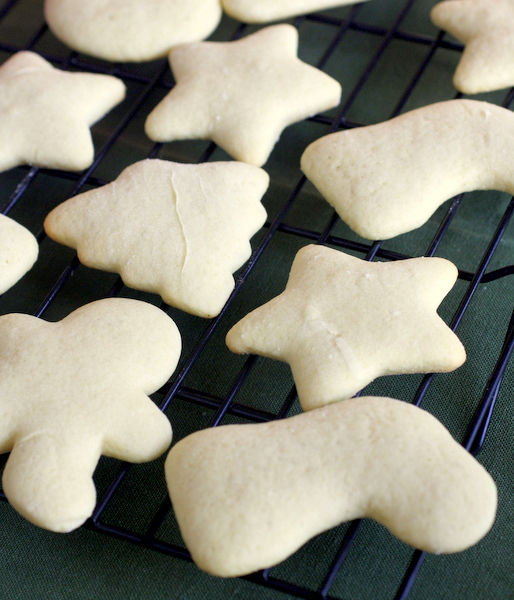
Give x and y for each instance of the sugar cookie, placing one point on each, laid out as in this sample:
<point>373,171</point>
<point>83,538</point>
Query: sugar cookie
<point>342,321</point>
<point>18,252</point>
<point>45,113</point>
<point>179,230</point>
<point>389,178</point>
<point>73,390</point>
<point>241,94</point>
<point>132,30</point>
<point>487,29</point>
<point>264,11</point>
<point>248,496</point>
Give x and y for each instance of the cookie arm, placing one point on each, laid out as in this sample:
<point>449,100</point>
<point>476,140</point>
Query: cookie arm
<point>139,432</point>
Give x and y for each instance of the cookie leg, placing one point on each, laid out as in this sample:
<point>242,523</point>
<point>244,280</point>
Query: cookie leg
<point>48,479</point>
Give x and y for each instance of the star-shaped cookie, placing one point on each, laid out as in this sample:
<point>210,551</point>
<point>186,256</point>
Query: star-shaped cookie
<point>486,27</point>
<point>241,94</point>
<point>131,30</point>
<point>179,230</point>
<point>265,11</point>
<point>73,390</point>
<point>45,113</point>
<point>389,178</point>
<point>342,321</point>
<point>18,252</point>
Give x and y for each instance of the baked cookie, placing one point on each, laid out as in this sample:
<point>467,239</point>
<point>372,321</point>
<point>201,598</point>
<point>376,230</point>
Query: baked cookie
<point>389,178</point>
<point>248,496</point>
<point>342,321</point>
<point>241,94</point>
<point>264,11</point>
<point>18,252</point>
<point>486,28</point>
<point>45,113</point>
<point>132,30</point>
<point>178,230</point>
<point>73,390</point>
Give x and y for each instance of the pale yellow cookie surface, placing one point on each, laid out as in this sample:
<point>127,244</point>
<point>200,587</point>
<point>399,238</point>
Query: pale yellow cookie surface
<point>178,230</point>
<point>45,113</point>
<point>486,28</point>
<point>264,11</point>
<point>248,496</point>
<point>131,30</point>
<point>73,390</point>
<point>342,321</point>
<point>241,94</point>
<point>387,179</point>
<point>18,252</point>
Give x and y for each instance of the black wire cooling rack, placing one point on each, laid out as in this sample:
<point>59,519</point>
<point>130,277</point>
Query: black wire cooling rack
<point>389,59</point>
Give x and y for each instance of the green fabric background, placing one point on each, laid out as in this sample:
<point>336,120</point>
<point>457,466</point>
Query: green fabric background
<point>86,564</point>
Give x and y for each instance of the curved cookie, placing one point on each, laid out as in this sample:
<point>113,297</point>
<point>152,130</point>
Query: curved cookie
<point>248,496</point>
<point>264,11</point>
<point>342,321</point>
<point>45,113</point>
<point>18,252</point>
<point>487,30</point>
<point>389,178</point>
<point>132,30</point>
<point>241,94</point>
<point>73,390</point>
<point>178,230</point>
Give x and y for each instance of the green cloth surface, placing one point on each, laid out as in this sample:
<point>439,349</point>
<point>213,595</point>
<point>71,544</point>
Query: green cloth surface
<point>85,564</point>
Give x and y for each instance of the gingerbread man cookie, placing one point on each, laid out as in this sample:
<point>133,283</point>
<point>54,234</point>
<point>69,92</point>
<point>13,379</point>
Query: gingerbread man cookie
<point>73,390</point>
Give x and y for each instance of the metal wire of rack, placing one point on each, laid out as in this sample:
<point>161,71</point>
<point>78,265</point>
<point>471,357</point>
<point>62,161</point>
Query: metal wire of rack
<point>200,403</point>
